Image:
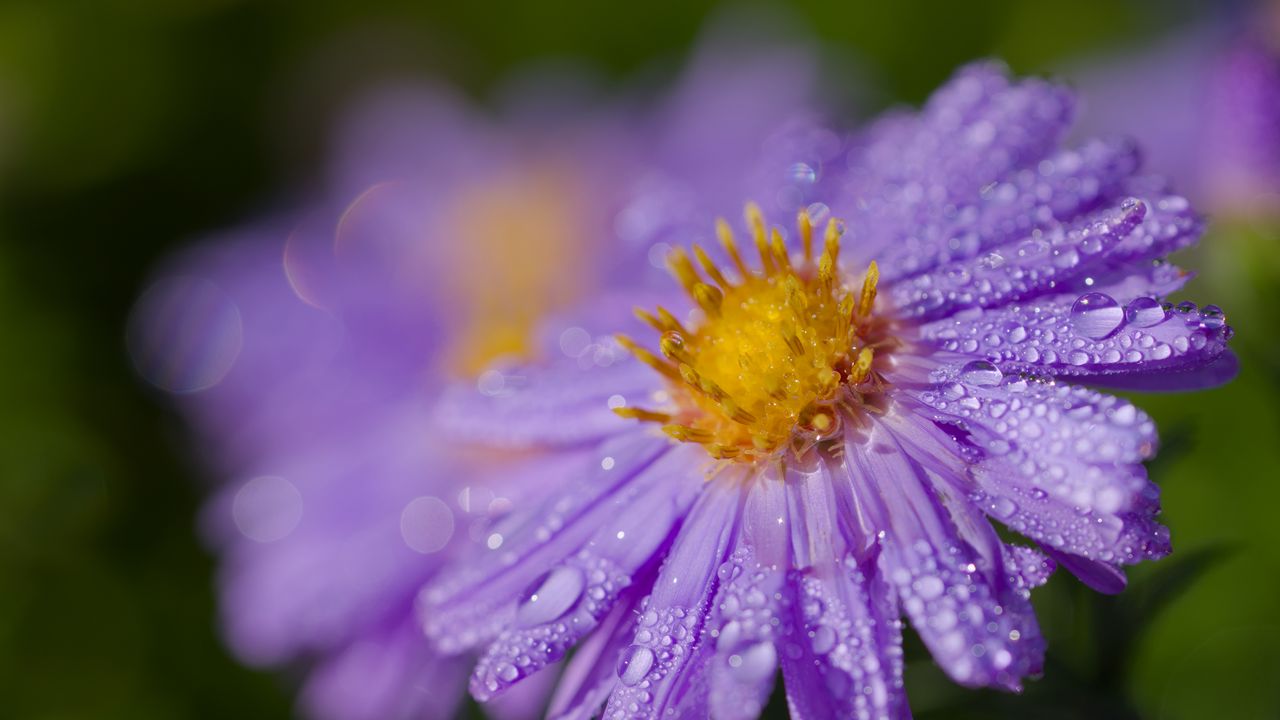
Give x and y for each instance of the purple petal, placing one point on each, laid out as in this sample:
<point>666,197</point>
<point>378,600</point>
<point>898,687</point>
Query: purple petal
<point>974,128</point>
<point>562,405</point>
<point>1090,335</point>
<point>660,675</point>
<point>746,611</point>
<point>1045,417</point>
<point>1059,464</point>
<point>1029,200</point>
<point>592,672</point>
<point>920,173</point>
<point>1102,577</point>
<point>1170,224</point>
<point>559,608</point>
<point>477,598</point>
<point>1195,377</point>
<point>390,675</point>
<point>312,552</point>
<point>979,628</point>
<point>1032,266</point>
<point>842,656</point>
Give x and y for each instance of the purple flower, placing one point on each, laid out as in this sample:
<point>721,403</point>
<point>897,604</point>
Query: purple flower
<point>306,349</point>
<point>1206,103</point>
<point>810,444</point>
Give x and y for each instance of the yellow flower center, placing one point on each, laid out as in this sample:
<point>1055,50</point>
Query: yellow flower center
<point>780,355</point>
<point>522,251</point>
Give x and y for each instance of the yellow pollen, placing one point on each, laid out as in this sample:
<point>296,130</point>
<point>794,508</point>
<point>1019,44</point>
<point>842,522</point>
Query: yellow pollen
<point>777,349</point>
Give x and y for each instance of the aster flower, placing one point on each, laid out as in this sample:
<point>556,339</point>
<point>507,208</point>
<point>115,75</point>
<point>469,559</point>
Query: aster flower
<point>1206,102</point>
<point>809,445</point>
<point>305,349</point>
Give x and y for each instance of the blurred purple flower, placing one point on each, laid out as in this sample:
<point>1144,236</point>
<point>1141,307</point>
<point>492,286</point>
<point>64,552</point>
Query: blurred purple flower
<point>815,452</point>
<point>1206,103</point>
<point>305,350</point>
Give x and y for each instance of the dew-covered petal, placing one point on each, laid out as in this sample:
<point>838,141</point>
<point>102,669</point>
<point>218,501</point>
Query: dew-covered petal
<point>1030,567</point>
<point>842,652</point>
<point>1090,334</point>
<point>564,604</point>
<point>972,130</point>
<point>1032,266</point>
<point>591,674</point>
<point>555,405</point>
<point>979,627</point>
<point>565,399</point>
<point>935,453</point>
<point>660,674</point>
<point>477,597</point>
<point>1169,225</point>
<point>746,614</point>
<point>385,675</point>
<point>1057,463</point>
<point>1216,373</point>
<point>1100,576</point>
<point>1046,417</point>
<point>556,611</point>
<point>1032,199</point>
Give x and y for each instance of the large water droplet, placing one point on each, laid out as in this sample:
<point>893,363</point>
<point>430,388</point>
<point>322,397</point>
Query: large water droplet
<point>550,597</point>
<point>1144,312</point>
<point>1096,314</point>
<point>980,372</point>
<point>635,663</point>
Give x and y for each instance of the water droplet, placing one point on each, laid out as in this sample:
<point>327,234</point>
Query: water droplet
<point>991,260</point>
<point>1212,317</point>
<point>981,373</point>
<point>824,639</point>
<point>635,663</point>
<point>1096,314</point>
<point>1004,508</point>
<point>756,662</point>
<point>550,596</point>
<point>818,214</point>
<point>1066,258</point>
<point>1144,312</point>
<point>929,587</point>
<point>802,173</point>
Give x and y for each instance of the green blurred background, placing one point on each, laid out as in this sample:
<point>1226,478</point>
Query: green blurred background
<point>128,127</point>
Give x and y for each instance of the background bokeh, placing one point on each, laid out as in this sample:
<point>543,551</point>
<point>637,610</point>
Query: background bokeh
<point>130,127</point>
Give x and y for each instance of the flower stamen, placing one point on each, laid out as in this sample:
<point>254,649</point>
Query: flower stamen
<point>779,355</point>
